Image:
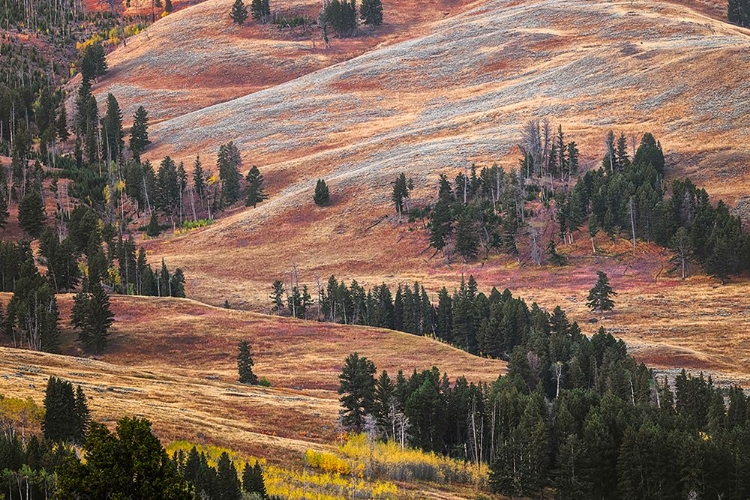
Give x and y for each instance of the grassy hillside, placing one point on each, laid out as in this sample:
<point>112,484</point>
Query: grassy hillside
<point>174,361</point>
<point>457,92</point>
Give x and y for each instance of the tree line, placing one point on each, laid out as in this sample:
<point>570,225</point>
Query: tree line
<point>575,416</point>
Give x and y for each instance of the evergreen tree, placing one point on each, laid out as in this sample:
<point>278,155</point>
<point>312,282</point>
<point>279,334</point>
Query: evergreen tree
<point>260,10</point>
<point>357,390</point>
<point>199,179</point>
<point>400,191</point>
<point>112,133</point>
<point>239,12</point>
<point>467,237</point>
<point>227,483</point>
<point>83,416</point>
<point>153,230</point>
<point>61,125</point>
<point>342,16</point>
<point>440,225</point>
<point>32,314</point>
<point>252,480</point>
<point>60,258</point>
<point>277,296</point>
<point>322,195</point>
<point>31,215</point>
<point>554,257</point>
<point>139,133</point>
<point>128,464</point>
<point>93,318</point>
<point>4,214</point>
<point>255,189</point>
<point>245,364</point>
<point>599,296</point>
<point>371,12</point>
<point>63,419</point>
<point>228,163</point>
<point>168,6</point>
<point>177,283</point>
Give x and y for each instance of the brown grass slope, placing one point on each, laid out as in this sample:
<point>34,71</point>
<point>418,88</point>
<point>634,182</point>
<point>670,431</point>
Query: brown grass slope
<point>460,94</point>
<point>174,362</point>
<point>197,57</point>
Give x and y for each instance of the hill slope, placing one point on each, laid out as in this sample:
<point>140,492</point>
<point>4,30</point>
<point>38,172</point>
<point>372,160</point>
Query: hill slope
<point>174,362</point>
<point>459,92</point>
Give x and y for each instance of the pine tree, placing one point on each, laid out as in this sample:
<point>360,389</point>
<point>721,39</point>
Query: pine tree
<point>255,189</point>
<point>245,364</point>
<point>322,195</point>
<point>4,214</point>
<point>32,314</point>
<point>112,133</point>
<point>260,10</point>
<point>599,296</point>
<point>554,257</point>
<point>227,483</point>
<point>357,389</point>
<point>252,480</point>
<point>93,318</point>
<point>277,296</point>
<point>139,133</point>
<point>400,193</point>
<point>63,421</point>
<point>168,6</point>
<point>31,215</point>
<point>371,12</point>
<point>83,415</point>
<point>228,163</point>
<point>153,230</point>
<point>467,237</point>
<point>61,125</point>
<point>239,12</point>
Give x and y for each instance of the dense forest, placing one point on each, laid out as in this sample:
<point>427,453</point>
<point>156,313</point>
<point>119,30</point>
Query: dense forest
<point>576,416</point>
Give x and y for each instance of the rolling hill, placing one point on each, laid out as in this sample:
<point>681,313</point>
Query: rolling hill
<point>174,361</point>
<point>434,97</point>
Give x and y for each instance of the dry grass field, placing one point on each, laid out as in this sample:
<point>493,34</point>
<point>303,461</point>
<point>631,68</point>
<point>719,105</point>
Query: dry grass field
<point>174,362</point>
<point>427,95</point>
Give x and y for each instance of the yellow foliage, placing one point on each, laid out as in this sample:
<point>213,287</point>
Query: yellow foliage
<point>213,453</point>
<point>392,462</point>
<point>164,14</point>
<point>91,41</point>
<point>327,462</point>
<point>18,414</point>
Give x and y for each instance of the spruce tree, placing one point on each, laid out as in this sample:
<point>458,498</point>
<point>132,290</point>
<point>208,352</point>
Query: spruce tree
<point>83,415</point>
<point>31,215</point>
<point>245,364</point>
<point>227,483</point>
<point>554,257</point>
<point>357,390</point>
<point>599,296</point>
<point>239,12</point>
<point>199,179</point>
<point>255,189</point>
<point>252,480</point>
<point>168,6</point>
<point>62,419</point>
<point>260,10</point>
<point>112,133</point>
<point>93,318</point>
<point>322,195</point>
<point>371,12</point>
<point>139,133</point>
<point>153,230</point>
<point>32,314</point>
<point>228,163</point>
